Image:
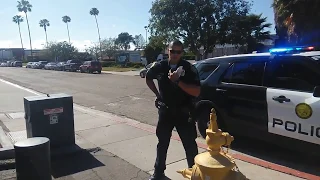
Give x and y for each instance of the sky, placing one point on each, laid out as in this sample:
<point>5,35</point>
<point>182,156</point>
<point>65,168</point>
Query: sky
<point>115,17</point>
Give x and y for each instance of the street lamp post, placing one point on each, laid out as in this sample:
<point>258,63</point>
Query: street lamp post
<point>146,28</point>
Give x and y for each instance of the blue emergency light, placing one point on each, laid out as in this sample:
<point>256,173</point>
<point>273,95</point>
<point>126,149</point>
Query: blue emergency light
<point>290,49</point>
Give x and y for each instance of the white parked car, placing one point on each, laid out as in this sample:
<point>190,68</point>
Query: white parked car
<point>3,64</point>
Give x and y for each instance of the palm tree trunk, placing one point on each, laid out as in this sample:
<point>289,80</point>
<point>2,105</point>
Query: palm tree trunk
<point>68,33</point>
<point>29,35</point>
<point>21,41</point>
<point>99,36</point>
<point>45,31</point>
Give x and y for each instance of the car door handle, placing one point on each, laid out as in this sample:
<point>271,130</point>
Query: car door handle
<point>281,99</point>
<point>220,90</point>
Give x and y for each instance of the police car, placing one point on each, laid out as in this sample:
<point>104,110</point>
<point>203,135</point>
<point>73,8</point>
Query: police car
<point>272,96</point>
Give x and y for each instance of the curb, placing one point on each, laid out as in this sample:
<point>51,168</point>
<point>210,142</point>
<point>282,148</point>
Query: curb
<point>152,129</point>
<point>7,151</point>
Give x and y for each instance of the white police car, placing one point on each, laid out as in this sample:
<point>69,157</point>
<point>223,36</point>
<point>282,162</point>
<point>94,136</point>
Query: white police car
<point>272,96</point>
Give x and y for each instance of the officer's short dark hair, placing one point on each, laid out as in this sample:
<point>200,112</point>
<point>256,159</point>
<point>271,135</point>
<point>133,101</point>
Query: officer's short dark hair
<point>175,43</point>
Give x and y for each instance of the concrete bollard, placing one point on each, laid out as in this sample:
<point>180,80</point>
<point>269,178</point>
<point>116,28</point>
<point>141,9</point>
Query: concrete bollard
<point>32,158</point>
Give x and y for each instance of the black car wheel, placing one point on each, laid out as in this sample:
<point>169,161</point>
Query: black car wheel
<point>203,120</point>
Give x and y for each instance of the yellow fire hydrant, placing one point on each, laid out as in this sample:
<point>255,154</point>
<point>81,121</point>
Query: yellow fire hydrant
<point>215,164</point>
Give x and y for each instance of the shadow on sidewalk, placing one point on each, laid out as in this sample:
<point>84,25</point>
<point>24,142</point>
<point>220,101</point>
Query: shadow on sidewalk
<point>268,152</point>
<point>68,164</point>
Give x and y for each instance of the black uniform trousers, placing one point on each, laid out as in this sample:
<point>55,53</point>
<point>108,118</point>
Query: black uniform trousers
<point>186,130</point>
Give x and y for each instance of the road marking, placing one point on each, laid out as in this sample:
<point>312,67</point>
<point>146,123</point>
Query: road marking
<point>20,87</point>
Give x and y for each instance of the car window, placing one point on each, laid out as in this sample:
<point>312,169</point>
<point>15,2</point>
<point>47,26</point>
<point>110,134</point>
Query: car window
<point>249,73</point>
<point>293,73</point>
<point>205,69</point>
<point>95,63</point>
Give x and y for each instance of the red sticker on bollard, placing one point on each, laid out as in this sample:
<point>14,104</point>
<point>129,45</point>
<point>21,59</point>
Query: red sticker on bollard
<point>53,111</point>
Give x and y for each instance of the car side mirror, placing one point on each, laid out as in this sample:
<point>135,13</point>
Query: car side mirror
<point>316,91</point>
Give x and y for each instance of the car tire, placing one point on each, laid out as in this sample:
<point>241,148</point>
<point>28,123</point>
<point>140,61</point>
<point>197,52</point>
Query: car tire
<point>203,121</point>
<point>81,71</point>
<point>142,75</point>
<point>99,72</point>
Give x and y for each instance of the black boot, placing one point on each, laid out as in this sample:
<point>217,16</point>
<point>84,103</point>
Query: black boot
<point>157,176</point>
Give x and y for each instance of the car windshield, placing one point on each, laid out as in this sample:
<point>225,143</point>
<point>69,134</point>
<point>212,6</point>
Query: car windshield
<point>95,63</point>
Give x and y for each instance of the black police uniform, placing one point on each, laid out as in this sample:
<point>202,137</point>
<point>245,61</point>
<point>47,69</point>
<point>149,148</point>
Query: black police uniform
<point>176,112</point>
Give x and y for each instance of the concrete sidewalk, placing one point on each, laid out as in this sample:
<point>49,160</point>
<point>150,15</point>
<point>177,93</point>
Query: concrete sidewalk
<point>117,147</point>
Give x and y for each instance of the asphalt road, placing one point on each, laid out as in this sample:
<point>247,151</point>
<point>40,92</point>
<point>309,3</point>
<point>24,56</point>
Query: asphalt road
<point>123,95</point>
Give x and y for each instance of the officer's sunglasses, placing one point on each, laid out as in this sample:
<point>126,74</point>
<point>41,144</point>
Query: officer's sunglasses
<point>175,52</point>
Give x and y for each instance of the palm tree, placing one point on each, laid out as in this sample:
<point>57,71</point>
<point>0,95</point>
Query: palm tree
<point>19,19</point>
<point>95,12</point>
<point>45,23</point>
<point>67,19</point>
<point>25,6</point>
<point>299,19</point>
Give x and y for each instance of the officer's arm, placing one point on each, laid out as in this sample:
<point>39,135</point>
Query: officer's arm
<point>151,75</point>
<point>192,83</point>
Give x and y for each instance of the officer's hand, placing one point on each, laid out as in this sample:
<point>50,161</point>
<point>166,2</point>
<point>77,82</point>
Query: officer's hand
<point>173,76</point>
<point>159,103</point>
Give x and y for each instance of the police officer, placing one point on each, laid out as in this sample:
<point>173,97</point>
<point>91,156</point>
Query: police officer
<point>178,83</point>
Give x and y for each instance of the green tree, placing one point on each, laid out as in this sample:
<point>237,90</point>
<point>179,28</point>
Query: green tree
<point>19,19</point>
<point>158,42</point>
<point>67,20</point>
<point>95,12</point>
<point>249,31</point>
<point>197,23</point>
<point>297,21</point>
<point>61,51</point>
<point>45,23</point>
<point>83,56</point>
<point>25,6</point>
<point>94,50</point>
<point>109,47</point>
<point>124,40</point>
<point>139,41</point>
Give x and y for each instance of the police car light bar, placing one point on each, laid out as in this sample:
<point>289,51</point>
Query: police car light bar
<point>290,50</point>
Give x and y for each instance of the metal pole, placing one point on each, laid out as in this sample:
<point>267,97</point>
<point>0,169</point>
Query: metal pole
<point>33,159</point>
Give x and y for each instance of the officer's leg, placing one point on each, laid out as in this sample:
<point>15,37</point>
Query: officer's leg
<point>188,134</point>
<point>163,132</point>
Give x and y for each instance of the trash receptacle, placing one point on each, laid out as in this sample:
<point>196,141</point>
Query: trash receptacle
<point>50,116</point>
<point>32,158</point>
